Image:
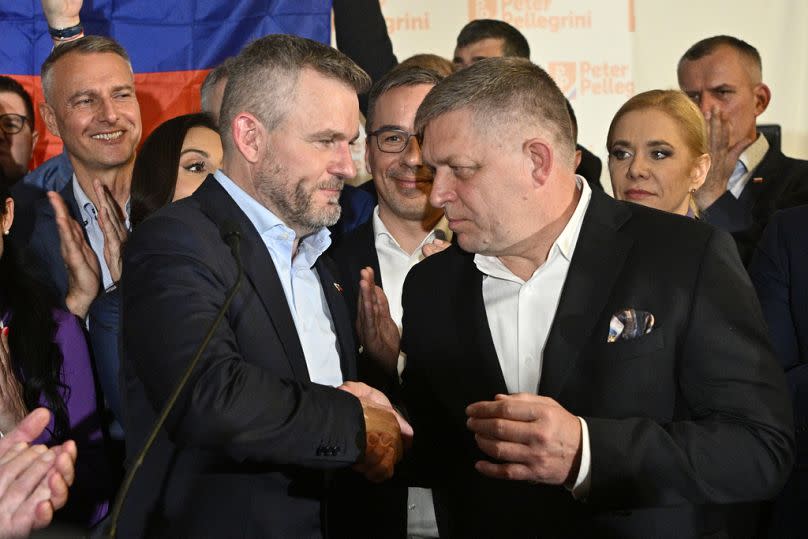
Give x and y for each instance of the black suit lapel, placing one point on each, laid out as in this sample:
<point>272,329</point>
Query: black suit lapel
<point>258,269</point>
<point>596,263</point>
<point>486,379</point>
<point>763,182</point>
<point>333,291</point>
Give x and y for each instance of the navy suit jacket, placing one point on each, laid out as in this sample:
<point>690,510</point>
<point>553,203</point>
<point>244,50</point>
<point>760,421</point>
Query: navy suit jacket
<point>778,182</point>
<point>682,420</point>
<point>244,452</point>
<point>779,271</point>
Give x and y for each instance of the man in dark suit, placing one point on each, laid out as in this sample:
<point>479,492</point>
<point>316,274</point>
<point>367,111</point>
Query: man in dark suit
<point>245,451</point>
<point>577,367</point>
<point>403,229</point>
<point>749,180</point>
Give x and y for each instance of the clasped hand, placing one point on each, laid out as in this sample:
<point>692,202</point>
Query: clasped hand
<point>386,432</point>
<point>533,437</point>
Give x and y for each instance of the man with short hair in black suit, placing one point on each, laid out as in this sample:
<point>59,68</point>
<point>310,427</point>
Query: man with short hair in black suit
<point>576,366</point>
<point>249,448</point>
<point>749,179</point>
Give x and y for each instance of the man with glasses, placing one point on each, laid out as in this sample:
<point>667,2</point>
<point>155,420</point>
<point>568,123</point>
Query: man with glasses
<point>403,229</point>
<point>17,134</point>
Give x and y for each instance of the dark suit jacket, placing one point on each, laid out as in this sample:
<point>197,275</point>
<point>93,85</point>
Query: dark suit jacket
<point>366,510</point>
<point>779,271</point>
<point>691,415</point>
<point>243,453</point>
<point>783,184</point>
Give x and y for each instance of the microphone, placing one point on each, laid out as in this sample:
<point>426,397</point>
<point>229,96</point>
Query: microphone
<point>440,235</point>
<point>231,234</point>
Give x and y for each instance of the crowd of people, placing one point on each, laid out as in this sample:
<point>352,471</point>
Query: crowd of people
<point>477,342</point>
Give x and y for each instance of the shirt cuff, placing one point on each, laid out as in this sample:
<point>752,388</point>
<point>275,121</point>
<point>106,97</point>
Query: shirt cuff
<point>580,490</point>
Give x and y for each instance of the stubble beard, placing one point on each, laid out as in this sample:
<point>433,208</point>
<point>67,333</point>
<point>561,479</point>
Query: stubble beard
<point>293,201</point>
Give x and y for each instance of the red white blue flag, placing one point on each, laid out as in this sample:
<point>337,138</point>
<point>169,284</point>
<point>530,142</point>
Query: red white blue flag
<point>172,43</point>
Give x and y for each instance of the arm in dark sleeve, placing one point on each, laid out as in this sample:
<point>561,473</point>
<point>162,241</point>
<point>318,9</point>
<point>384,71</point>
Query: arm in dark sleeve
<point>233,405</point>
<point>781,287</point>
<point>732,439</point>
<point>361,34</point>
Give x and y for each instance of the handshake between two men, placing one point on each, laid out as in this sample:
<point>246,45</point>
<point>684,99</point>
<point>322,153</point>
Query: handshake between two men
<point>528,437</point>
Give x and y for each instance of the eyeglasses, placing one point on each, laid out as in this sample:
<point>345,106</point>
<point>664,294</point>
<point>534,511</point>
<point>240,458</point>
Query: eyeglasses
<point>11,124</point>
<point>392,140</point>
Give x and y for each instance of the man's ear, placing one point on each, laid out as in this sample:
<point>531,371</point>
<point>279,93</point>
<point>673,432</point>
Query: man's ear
<point>541,157</point>
<point>34,139</point>
<point>7,216</point>
<point>49,117</point>
<point>367,156</point>
<point>763,95</point>
<point>248,136</point>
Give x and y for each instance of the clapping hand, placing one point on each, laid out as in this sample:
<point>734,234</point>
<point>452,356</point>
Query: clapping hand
<point>375,327</point>
<point>12,404</point>
<point>34,480</point>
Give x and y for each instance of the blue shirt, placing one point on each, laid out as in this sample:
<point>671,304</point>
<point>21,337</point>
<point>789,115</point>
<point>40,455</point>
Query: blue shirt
<point>300,282</point>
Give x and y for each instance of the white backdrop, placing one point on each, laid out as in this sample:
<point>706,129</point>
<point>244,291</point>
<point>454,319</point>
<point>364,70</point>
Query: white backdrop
<point>602,51</point>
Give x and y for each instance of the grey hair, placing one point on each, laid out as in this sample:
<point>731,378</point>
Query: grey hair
<point>502,91</point>
<point>264,75</point>
<point>83,45</point>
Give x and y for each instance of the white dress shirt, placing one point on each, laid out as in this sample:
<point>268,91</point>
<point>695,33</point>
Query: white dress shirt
<point>746,165</point>
<point>300,282</point>
<point>394,264</point>
<point>520,315</point>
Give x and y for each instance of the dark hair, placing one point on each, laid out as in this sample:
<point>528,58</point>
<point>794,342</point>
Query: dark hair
<point>7,84</point>
<point>154,176</point>
<point>401,75</point>
<point>83,45</point>
<point>37,360</point>
<point>573,122</point>
<point>514,43</point>
<point>707,46</point>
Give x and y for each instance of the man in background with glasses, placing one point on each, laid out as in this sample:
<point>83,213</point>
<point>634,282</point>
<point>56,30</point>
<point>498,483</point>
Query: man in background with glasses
<point>403,229</point>
<point>17,134</point>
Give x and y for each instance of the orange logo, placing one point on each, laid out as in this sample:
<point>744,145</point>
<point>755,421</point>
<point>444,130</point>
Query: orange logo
<point>564,74</point>
<point>482,9</point>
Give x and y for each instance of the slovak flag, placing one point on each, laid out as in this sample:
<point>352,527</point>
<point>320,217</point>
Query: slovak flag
<point>173,44</point>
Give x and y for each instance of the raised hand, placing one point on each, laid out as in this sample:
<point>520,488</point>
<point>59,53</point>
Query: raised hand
<point>434,247</point>
<point>113,226</point>
<point>724,153</point>
<point>535,437</point>
<point>376,329</point>
<point>83,270</point>
<point>12,404</point>
<point>62,13</point>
